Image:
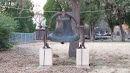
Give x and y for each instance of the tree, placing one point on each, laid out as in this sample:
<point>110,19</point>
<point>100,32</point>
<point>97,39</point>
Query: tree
<point>110,17</point>
<point>19,8</point>
<point>76,14</point>
<point>83,18</point>
<point>91,17</point>
<point>119,8</point>
<point>7,25</point>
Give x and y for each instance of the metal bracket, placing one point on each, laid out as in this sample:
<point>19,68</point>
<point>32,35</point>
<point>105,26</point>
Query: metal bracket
<point>45,39</point>
<point>82,45</point>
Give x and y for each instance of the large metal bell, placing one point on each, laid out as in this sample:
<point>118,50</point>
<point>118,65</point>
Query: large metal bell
<point>63,31</point>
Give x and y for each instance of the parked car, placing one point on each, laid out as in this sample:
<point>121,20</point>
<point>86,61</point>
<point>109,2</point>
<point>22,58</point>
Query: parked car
<point>104,37</point>
<point>129,37</point>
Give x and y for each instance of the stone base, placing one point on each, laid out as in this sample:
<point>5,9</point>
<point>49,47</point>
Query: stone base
<point>45,57</point>
<point>82,58</point>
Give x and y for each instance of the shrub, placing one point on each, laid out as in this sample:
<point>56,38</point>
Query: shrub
<point>7,25</point>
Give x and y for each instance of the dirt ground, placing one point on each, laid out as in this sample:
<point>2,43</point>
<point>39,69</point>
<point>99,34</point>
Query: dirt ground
<point>105,57</point>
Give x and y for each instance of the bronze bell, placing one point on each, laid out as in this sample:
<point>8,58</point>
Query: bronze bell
<point>63,31</point>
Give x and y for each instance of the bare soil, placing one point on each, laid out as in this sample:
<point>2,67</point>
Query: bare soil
<point>105,57</point>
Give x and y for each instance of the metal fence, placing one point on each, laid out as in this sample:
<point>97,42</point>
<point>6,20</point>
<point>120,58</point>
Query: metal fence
<point>39,34</point>
<point>22,37</point>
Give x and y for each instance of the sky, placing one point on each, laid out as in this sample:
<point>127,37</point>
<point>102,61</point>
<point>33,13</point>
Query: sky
<point>38,5</point>
<point>38,8</point>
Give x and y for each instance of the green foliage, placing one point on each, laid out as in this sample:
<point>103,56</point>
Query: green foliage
<point>54,5</point>
<point>91,18</point>
<point>127,18</point>
<point>110,17</point>
<point>24,24</point>
<point>126,15</point>
<point>123,6</point>
<point>7,25</point>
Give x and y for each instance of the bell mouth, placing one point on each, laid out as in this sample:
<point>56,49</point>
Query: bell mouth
<point>62,42</point>
<point>63,39</point>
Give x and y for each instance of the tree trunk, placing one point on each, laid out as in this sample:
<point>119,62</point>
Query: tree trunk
<point>92,32</point>
<point>122,34</point>
<point>120,24</point>
<point>112,35</point>
<point>76,14</point>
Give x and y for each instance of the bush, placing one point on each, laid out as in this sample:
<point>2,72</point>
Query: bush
<point>7,25</point>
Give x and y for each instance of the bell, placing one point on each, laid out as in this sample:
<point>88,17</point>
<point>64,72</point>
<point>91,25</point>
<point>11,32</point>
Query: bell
<point>63,31</point>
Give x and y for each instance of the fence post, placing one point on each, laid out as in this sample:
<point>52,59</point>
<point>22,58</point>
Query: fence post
<point>21,37</point>
<point>25,38</point>
<point>34,36</point>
